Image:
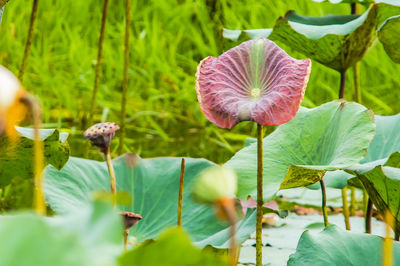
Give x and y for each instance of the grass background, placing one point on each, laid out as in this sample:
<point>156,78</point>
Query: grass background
<point>169,38</point>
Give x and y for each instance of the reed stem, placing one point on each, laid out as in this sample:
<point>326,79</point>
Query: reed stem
<point>181,179</point>
<point>125,81</point>
<point>28,44</point>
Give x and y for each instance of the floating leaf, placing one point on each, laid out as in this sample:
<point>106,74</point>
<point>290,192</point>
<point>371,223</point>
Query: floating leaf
<point>255,81</point>
<point>329,137</point>
<point>90,236</point>
<point>153,185</point>
<point>334,246</point>
<point>16,157</point>
<point>173,248</point>
<point>389,34</point>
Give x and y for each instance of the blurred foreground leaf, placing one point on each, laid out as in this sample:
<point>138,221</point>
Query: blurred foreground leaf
<point>173,248</point>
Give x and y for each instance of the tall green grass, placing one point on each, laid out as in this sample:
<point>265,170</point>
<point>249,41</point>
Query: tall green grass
<point>169,38</point>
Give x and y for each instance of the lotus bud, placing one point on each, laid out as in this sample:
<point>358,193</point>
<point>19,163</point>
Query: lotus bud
<point>101,134</point>
<point>11,110</point>
<point>214,184</point>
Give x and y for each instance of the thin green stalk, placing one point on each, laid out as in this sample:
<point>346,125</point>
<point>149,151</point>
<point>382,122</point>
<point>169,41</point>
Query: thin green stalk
<point>180,197</point>
<point>342,84</point>
<point>352,201</point>
<point>324,210</point>
<point>126,237</point>
<point>111,172</point>
<point>28,40</point>
<point>97,70</point>
<point>125,81</point>
<point>259,195</point>
<point>38,153</point>
<point>345,208</point>
<point>368,217</point>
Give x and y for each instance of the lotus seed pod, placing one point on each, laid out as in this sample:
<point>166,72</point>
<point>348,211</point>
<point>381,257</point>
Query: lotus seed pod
<point>101,134</point>
<point>130,219</point>
<point>214,184</point>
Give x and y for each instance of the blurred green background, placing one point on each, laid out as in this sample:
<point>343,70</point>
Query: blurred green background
<point>169,38</point>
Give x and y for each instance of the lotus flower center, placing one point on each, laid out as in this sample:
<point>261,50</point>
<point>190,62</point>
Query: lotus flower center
<point>255,92</point>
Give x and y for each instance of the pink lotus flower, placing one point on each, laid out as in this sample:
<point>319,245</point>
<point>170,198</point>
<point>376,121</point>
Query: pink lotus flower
<point>255,81</point>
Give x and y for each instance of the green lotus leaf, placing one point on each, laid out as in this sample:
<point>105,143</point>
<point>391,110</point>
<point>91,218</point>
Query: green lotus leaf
<point>153,185</point>
<point>329,137</point>
<point>385,142</point>
<point>335,41</point>
<point>16,156</point>
<point>389,34</point>
<point>334,246</point>
<point>92,236</point>
<point>173,248</point>
<point>383,186</point>
<point>363,2</point>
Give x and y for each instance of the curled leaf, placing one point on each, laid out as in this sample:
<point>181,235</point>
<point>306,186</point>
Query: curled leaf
<point>255,81</point>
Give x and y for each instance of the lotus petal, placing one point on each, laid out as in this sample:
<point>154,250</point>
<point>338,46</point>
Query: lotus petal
<point>255,81</point>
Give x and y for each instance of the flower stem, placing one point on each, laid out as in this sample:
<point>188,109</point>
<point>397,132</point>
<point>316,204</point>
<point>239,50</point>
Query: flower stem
<point>342,84</point>
<point>38,165</point>
<point>181,179</point>
<point>259,195</point>
<point>232,233</point>
<point>388,241</point>
<point>111,172</point>
<point>324,210</point>
<point>28,39</point>
<point>126,236</point>
<point>345,208</point>
<point>368,217</point>
<point>125,81</point>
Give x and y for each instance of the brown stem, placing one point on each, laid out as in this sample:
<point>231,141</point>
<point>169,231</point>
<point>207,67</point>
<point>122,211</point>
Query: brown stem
<point>126,236</point>
<point>345,208</point>
<point>324,210</point>
<point>396,235</point>
<point>181,179</point>
<point>368,217</point>
<point>111,172</point>
<point>260,201</point>
<point>28,40</point>
<point>229,211</point>
<point>125,81</point>
<point>342,84</point>
<point>3,2</point>
<point>99,62</point>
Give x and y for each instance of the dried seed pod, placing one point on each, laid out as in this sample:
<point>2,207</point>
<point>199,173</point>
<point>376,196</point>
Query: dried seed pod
<point>130,219</point>
<point>101,134</point>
